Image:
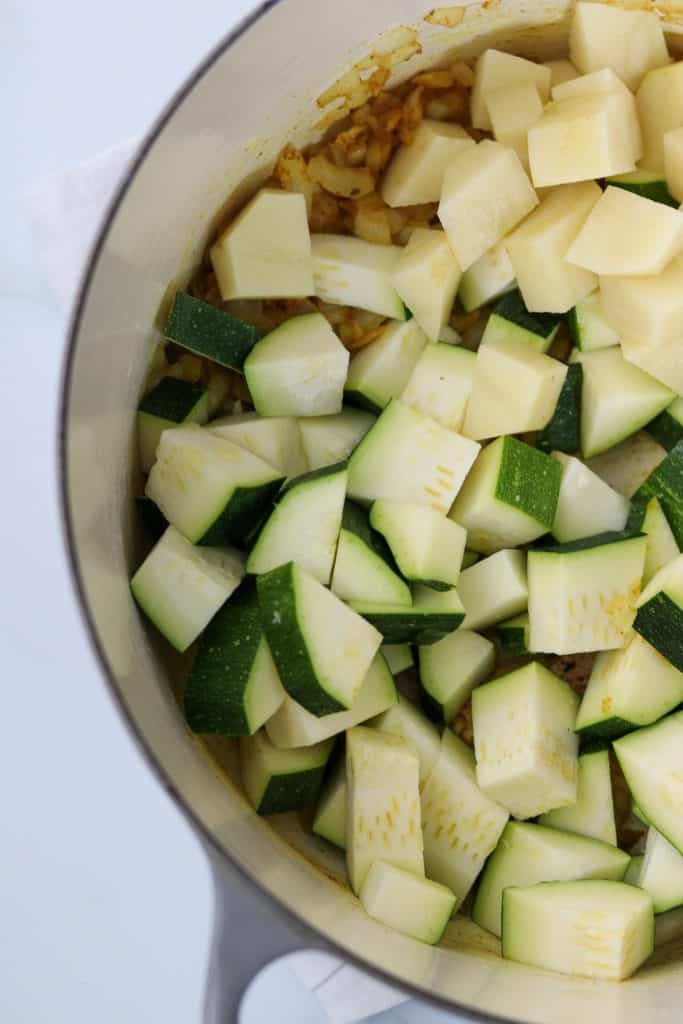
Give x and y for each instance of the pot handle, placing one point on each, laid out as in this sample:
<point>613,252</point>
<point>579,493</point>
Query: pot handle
<point>249,932</point>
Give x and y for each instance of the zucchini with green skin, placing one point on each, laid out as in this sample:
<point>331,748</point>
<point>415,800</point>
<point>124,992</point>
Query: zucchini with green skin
<point>212,333</point>
<point>277,439</point>
<point>511,319</point>
<point>210,489</point>
<point>588,928</point>
<point>233,686</point>
<point>660,613</point>
<point>486,280</point>
<point>513,635</point>
<point>586,505</point>
<point>428,547</point>
<point>451,668</point>
<point>330,439</point>
<point>380,371</point>
<point>399,657</point>
<point>322,648</point>
<point>417,907</point>
<point>352,272</point>
<point>563,432</point>
<point>649,184</point>
<point>494,589</point>
<point>588,327</point>
<point>168,404</point>
<point>304,525</point>
<point>330,816</point>
<point>661,873</point>
<point>527,854</point>
<point>593,813</point>
<point>363,567</point>
<point>432,616</point>
<point>648,517</point>
<point>667,428</point>
<point>275,780</point>
<point>665,482</point>
<point>180,587</point>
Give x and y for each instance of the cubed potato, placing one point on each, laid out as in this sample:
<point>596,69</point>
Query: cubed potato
<point>496,69</point>
<point>598,82</point>
<point>625,233</point>
<point>663,362</point>
<point>537,248</point>
<point>415,175</point>
<point>486,192</point>
<point>427,276</point>
<point>515,389</point>
<point>513,109</point>
<point>584,137</point>
<point>660,108</point>
<point>561,71</point>
<point>673,162</point>
<point>631,43</point>
<point>646,308</point>
<point>266,251</point>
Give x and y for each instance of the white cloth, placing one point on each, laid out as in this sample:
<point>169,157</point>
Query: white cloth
<point>65,212</point>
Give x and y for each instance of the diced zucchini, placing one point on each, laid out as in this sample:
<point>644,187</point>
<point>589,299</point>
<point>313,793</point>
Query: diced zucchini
<point>537,249</point>
<point>381,370</point>
<point>527,854</point>
<point>460,824</point>
<point>210,332</point>
<point>593,813</point>
<point>330,439</point>
<point>450,670</point>
<point>266,251</point>
<point>352,272</point>
<point>233,686</point>
<point>298,369</point>
<point>652,762</point>
<point>434,614</point>
<point>633,870</point>
<point>661,873</point>
<point>630,42</point>
<point>383,804</point>
<point>276,439</point>
<point>660,612</point>
<point>673,165</point>
<point>486,192</point>
<point>169,403</point>
<point>511,319</point>
<point>494,589</point>
<point>281,780</point>
<point>415,174</point>
<point>524,740</point>
<point>330,816</point>
<point>665,483</point>
<point>625,233</point>
<point>509,497</point>
<point>406,456</point>
<point>209,488</point>
<point>648,517</point>
<point>304,526</point>
<point>513,109</point>
<point>589,928</point>
<point>660,108</point>
<point>293,726</point>
<point>563,432</point>
<point>496,69</point>
<point>414,906</point>
<point>588,327</point>
<point>426,277</point>
<point>404,719</point>
<point>180,587</point>
<point>582,595</point>
<point>586,505</point>
<point>487,279</point>
<point>650,184</point>
<point>363,565</point>
<point>441,383</point>
<point>513,635</point>
<point>616,701</point>
<point>321,648</point>
<point>667,428</point>
<point>470,558</point>
<point>515,389</point>
<point>428,547</point>
<point>399,657</point>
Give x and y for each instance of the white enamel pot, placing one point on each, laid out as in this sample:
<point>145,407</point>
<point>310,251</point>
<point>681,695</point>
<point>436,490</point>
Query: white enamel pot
<point>276,892</point>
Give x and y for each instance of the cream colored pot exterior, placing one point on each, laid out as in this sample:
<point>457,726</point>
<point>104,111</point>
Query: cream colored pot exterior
<point>253,94</point>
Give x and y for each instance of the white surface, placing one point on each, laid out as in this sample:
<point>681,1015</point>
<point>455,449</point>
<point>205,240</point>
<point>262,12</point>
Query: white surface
<point>105,892</point>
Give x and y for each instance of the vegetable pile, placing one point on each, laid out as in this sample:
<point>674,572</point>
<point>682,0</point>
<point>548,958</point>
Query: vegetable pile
<point>414,448</point>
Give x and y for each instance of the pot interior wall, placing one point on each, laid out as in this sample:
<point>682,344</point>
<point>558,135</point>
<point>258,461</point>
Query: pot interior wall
<point>266,81</point>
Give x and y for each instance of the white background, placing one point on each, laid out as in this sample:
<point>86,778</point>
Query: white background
<point>105,897</point>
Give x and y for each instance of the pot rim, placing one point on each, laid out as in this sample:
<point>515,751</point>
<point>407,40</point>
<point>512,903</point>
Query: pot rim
<point>69,540</point>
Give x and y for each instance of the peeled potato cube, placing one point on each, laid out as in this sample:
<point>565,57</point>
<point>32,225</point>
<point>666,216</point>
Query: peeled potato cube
<point>266,251</point>
<point>659,101</point>
<point>627,234</point>
<point>415,175</point>
<point>427,276</point>
<point>513,109</point>
<point>646,309</point>
<point>486,192</point>
<point>604,80</point>
<point>561,71</point>
<point>496,69</point>
<point>673,162</point>
<point>537,248</point>
<point>584,137</point>
<point>631,43</point>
